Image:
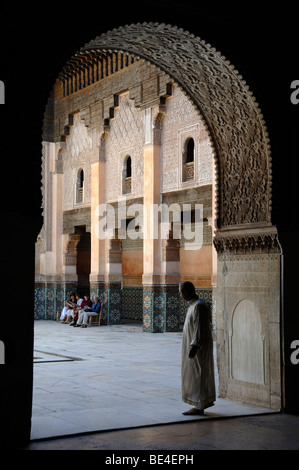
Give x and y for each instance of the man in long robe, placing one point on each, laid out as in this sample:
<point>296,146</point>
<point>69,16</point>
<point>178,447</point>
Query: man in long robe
<point>197,373</point>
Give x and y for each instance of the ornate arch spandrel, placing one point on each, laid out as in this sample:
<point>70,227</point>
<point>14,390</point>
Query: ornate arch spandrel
<point>234,121</point>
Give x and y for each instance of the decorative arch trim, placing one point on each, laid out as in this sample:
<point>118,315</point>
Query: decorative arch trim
<point>223,99</point>
<point>233,118</point>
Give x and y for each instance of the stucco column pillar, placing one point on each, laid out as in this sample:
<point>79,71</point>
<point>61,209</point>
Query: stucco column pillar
<point>61,288</point>
<point>214,253</point>
<point>69,267</point>
<point>160,292</point>
<point>98,242</point>
<point>151,242</point>
<point>43,253</point>
<point>106,268</point>
<point>113,283</point>
<point>51,284</point>
<point>57,211</point>
<point>171,276</point>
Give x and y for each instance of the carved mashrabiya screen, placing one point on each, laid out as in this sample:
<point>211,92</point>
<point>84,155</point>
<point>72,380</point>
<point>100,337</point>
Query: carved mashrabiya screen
<point>234,121</point>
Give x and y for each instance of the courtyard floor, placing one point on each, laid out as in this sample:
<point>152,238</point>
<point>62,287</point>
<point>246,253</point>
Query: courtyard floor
<point>111,378</point>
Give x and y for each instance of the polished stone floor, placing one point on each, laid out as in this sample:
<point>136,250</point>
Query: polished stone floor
<point>115,387</point>
<point>258,432</point>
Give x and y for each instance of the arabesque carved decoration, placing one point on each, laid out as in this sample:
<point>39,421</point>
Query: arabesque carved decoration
<point>234,121</point>
<point>70,254</point>
<point>250,243</point>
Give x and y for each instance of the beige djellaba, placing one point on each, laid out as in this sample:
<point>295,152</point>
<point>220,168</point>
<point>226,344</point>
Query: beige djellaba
<point>197,374</point>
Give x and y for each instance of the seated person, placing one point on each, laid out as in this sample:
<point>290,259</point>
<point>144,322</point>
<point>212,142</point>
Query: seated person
<point>76,310</point>
<point>86,302</point>
<point>68,309</point>
<point>87,311</point>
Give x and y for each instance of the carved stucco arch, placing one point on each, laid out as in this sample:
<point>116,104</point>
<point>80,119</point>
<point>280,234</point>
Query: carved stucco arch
<point>233,118</point>
<point>243,173</point>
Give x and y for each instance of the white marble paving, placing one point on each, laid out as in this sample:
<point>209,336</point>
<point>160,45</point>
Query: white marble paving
<point>112,377</point>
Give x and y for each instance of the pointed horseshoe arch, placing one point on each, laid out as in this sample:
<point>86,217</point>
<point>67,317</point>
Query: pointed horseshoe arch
<point>244,237</point>
<point>233,118</point>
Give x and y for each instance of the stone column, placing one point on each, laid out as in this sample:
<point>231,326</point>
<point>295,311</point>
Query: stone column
<point>98,200</point>
<point>160,277</point>
<point>43,274</point>
<point>61,288</point>
<point>69,267</point>
<point>106,262</point>
<point>171,279</point>
<point>153,298</point>
<point>114,280</point>
<point>212,223</point>
<point>98,241</point>
<point>152,241</point>
<point>50,287</point>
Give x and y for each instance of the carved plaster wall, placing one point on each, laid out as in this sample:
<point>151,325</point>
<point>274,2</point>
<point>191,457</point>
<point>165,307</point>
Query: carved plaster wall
<point>126,137</point>
<point>78,155</point>
<point>248,327</point>
<point>182,121</point>
<point>232,116</point>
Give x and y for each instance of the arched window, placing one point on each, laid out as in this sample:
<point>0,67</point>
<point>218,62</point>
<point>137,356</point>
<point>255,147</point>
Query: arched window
<point>127,175</point>
<point>190,151</point>
<point>129,167</point>
<point>80,187</point>
<point>188,160</point>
